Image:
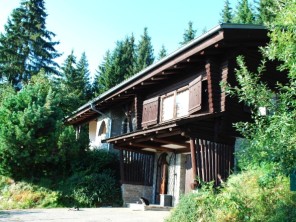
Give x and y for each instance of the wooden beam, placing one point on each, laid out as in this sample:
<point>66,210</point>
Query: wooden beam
<point>151,147</point>
<point>133,149</point>
<point>182,150</point>
<point>158,78</point>
<point>168,72</point>
<point>164,141</point>
<point>147,83</point>
<point>168,134</point>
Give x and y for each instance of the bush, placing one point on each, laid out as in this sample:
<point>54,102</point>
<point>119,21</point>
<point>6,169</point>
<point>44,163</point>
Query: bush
<point>97,190</point>
<point>95,182</point>
<point>22,195</point>
<point>254,195</point>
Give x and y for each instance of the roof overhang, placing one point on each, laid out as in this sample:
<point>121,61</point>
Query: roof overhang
<point>214,40</point>
<point>171,136</point>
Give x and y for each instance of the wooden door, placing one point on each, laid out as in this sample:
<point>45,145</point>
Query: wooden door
<point>161,177</point>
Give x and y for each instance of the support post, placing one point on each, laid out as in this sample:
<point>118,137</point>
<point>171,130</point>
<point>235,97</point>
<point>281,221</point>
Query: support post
<point>193,161</point>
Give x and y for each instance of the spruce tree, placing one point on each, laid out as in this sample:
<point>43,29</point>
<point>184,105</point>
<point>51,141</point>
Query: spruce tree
<point>244,13</point>
<point>72,84</point>
<point>128,57</point>
<point>162,52</point>
<point>189,34</point>
<point>226,14</point>
<point>266,11</point>
<point>102,81</point>
<point>83,72</point>
<point>144,52</point>
<point>117,66</point>
<point>26,46</point>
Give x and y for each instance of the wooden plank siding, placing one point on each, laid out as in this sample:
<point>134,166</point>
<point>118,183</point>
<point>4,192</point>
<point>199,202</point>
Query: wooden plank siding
<point>138,106</point>
<point>214,161</point>
<point>136,167</point>
<point>213,77</point>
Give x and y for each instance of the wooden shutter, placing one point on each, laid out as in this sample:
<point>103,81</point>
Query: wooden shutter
<point>195,95</point>
<point>150,112</point>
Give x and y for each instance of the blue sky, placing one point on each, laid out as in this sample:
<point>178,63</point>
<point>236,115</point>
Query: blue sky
<point>93,26</point>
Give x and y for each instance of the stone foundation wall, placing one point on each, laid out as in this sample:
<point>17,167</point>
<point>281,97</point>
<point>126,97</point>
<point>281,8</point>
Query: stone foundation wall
<point>132,193</point>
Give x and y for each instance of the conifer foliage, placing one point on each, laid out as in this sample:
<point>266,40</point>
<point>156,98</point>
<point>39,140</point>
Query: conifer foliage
<point>226,15</point>
<point>144,53</point>
<point>117,65</point>
<point>29,130</point>
<point>162,52</point>
<point>75,82</point>
<point>123,62</point>
<point>26,46</point>
<point>249,12</point>
<point>244,13</point>
<point>189,34</point>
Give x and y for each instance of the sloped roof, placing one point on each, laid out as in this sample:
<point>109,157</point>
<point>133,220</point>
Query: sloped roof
<point>86,111</point>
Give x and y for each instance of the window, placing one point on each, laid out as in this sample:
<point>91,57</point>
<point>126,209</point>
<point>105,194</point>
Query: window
<point>103,129</point>
<point>182,103</point>
<point>168,104</point>
<point>175,104</point>
<point>125,126</point>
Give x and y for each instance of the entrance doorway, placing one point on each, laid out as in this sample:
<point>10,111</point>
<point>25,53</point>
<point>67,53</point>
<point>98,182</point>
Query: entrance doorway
<point>161,176</point>
<point>188,175</point>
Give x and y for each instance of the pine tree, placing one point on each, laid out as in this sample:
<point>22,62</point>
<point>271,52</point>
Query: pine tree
<point>189,34</point>
<point>128,57</point>
<point>117,66</point>
<point>162,52</point>
<point>72,84</point>
<point>244,13</point>
<point>144,52</point>
<point>28,130</point>
<point>266,11</point>
<point>102,81</point>
<point>26,47</point>
<point>83,72</point>
<point>226,14</point>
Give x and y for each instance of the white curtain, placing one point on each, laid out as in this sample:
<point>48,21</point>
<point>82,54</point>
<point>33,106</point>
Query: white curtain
<point>182,103</point>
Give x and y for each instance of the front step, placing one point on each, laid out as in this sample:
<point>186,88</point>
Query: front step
<point>152,207</point>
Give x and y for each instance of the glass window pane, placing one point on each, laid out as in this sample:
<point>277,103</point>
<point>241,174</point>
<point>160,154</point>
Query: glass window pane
<point>182,103</point>
<point>168,108</point>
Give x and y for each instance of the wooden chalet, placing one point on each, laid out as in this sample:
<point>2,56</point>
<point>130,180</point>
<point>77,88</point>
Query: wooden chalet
<point>172,123</point>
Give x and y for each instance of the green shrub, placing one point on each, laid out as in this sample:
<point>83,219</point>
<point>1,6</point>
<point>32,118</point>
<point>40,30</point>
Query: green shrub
<point>97,190</point>
<point>95,182</point>
<point>22,195</point>
<point>254,195</point>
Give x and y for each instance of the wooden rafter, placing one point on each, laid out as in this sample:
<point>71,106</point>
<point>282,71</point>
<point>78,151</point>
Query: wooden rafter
<point>166,141</point>
<point>157,78</point>
<point>159,148</point>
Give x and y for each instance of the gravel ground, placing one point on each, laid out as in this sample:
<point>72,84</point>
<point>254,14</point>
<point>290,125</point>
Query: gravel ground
<point>83,215</point>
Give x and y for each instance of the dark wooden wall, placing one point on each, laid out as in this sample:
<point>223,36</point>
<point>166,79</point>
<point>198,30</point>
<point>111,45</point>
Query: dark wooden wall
<point>214,161</point>
<point>136,167</point>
